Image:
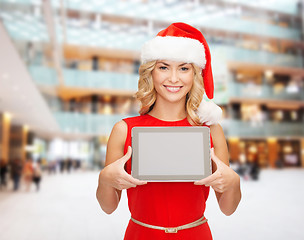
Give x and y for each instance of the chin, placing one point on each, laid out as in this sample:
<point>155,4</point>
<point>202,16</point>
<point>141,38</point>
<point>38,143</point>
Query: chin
<point>175,99</point>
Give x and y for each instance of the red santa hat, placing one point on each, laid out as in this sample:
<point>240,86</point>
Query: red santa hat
<point>184,43</point>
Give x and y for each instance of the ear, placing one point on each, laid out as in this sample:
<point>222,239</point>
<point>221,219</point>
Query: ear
<point>209,113</point>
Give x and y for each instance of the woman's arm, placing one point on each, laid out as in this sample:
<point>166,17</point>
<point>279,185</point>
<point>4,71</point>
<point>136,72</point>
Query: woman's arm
<point>113,178</point>
<point>224,181</point>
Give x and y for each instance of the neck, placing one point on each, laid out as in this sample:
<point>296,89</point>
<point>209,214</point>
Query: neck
<point>169,111</point>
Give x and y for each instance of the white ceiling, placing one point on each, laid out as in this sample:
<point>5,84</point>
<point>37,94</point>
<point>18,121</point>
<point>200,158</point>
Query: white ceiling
<point>19,95</point>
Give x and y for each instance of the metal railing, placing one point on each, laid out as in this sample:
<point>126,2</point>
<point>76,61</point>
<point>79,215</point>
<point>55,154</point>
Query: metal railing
<point>263,91</point>
<point>94,124</point>
<point>238,128</point>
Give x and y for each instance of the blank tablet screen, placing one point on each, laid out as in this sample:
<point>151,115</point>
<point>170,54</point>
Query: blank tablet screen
<point>170,153</point>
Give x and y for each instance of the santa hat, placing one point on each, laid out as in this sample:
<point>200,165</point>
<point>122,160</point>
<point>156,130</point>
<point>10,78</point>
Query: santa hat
<point>184,43</point>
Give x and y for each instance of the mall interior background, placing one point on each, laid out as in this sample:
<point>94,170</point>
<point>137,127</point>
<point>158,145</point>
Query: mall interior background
<point>69,71</point>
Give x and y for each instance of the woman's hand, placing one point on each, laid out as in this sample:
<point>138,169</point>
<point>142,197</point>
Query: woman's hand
<point>115,175</point>
<point>222,179</point>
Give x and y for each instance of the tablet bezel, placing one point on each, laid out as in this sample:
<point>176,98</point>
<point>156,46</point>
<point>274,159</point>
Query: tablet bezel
<point>165,178</point>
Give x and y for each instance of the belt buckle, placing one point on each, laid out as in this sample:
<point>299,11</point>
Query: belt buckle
<point>171,230</point>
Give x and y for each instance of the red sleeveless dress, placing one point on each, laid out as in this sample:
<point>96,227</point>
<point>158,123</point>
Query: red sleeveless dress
<point>166,204</point>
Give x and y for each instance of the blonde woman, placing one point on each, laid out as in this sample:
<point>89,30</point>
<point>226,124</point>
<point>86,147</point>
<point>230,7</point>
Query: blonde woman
<point>175,73</point>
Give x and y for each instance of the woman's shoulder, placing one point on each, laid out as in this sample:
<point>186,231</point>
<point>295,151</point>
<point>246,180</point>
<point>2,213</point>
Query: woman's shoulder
<point>216,129</point>
<point>217,134</point>
<point>118,134</point>
<point>120,127</point>
<point>134,120</point>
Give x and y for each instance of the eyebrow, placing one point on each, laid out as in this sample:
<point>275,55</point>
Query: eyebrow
<point>169,64</point>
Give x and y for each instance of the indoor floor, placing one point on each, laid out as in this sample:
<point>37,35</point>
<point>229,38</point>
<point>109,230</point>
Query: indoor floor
<point>66,209</point>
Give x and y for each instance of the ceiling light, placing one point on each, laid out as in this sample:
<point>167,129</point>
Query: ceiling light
<point>234,139</point>
<point>271,139</point>
<point>239,76</point>
<point>268,74</point>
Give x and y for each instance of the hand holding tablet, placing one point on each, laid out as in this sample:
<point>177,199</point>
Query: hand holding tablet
<point>171,153</point>
<point>115,175</point>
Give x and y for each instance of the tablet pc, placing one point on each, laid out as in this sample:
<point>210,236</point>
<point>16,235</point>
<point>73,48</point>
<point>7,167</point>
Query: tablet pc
<point>171,153</point>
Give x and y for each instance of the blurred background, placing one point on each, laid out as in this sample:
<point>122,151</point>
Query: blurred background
<point>69,71</point>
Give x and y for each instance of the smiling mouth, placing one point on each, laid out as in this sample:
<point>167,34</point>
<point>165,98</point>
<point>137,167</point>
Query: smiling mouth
<point>173,88</point>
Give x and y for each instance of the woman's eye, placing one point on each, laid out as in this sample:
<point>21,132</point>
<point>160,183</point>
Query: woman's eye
<point>162,67</point>
<point>184,69</point>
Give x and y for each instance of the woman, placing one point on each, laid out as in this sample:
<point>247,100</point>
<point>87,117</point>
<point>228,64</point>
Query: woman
<point>37,175</point>
<point>28,172</point>
<point>175,72</point>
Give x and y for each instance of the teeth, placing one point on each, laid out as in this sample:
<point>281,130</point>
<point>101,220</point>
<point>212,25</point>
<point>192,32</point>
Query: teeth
<point>173,89</point>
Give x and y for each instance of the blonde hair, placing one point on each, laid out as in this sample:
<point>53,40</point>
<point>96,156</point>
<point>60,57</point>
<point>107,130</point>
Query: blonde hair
<point>146,93</point>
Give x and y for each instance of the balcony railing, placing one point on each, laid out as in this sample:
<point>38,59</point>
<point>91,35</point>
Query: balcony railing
<point>111,80</point>
<point>94,124</point>
<point>238,128</point>
<point>43,75</point>
<point>100,79</point>
<point>88,79</point>
<point>97,124</point>
<point>198,16</point>
<point>263,91</point>
<point>257,56</point>
<point>286,6</point>
<point>108,80</point>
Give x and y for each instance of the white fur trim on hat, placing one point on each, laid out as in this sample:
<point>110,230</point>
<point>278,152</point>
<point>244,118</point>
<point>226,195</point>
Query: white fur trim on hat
<point>209,113</point>
<point>178,49</point>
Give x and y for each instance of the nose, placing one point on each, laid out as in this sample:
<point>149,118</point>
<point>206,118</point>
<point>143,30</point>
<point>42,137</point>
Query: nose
<point>174,76</point>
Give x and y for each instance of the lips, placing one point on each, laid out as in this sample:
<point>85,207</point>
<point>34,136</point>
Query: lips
<point>173,88</point>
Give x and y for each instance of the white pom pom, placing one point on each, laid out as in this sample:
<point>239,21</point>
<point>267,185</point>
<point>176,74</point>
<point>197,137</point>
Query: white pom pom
<point>209,113</point>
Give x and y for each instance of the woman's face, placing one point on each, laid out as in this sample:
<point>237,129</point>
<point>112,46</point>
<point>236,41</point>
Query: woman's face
<point>172,80</point>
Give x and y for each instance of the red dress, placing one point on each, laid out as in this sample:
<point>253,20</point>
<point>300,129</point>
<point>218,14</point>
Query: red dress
<point>166,204</point>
